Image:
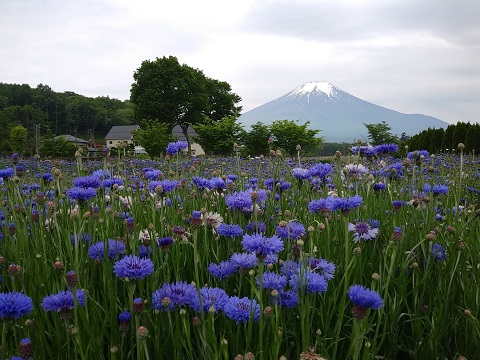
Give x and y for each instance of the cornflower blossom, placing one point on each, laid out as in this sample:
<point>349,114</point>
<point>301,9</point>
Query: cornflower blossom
<point>243,261</point>
<point>379,186</point>
<point>272,281</point>
<point>14,305</point>
<point>87,182</point>
<point>322,267</point>
<point>215,297</point>
<point>438,253</point>
<point>216,183</point>
<point>417,153</point>
<point>179,293</point>
<point>398,204</point>
<point>230,230</point>
<point>132,267</point>
<point>343,204</point>
<point>293,230</point>
<point>321,170</point>
<point>309,281</point>
<point>102,174</point>
<point>316,206</point>
<point>300,173</point>
<point>241,309</point>
<point>242,200</point>
<point>167,185</point>
<point>363,299</point>
<point>7,173</point>
<point>261,245</point>
<point>287,299</point>
<point>256,226</point>
<point>175,147</point>
<point>366,150</point>
<point>213,220</point>
<point>152,174</point>
<point>201,183</point>
<point>108,183</point>
<point>385,148</point>
<point>164,242</point>
<point>63,302</point>
<point>354,171</point>
<point>222,270</point>
<point>81,194</point>
<point>439,190</point>
<point>114,249</point>
<point>363,231</point>
<point>281,184</point>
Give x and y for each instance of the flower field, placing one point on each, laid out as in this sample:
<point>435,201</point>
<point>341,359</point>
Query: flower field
<point>372,255</point>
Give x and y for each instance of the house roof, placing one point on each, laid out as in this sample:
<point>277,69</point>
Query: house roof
<point>71,139</point>
<point>177,132</point>
<point>123,132</point>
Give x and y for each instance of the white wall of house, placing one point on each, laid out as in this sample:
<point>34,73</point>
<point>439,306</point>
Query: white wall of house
<point>196,150</point>
<point>118,143</point>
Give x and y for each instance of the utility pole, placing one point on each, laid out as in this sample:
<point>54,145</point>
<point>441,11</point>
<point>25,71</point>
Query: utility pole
<point>37,138</point>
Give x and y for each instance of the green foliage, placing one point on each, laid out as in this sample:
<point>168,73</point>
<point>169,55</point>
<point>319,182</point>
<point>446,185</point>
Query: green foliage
<point>380,134</point>
<point>255,141</point>
<point>287,135</point>
<point>154,136</point>
<point>18,138</point>
<point>218,137</point>
<point>57,148</point>
<point>177,94</point>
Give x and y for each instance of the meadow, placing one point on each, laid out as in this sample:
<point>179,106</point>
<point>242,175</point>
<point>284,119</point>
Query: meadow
<point>372,256</point>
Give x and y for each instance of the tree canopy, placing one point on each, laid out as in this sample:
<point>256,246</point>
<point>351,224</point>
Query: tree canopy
<point>154,136</point>
<point>287,135</point>
<point>380,134</point>
<point>177,94</point>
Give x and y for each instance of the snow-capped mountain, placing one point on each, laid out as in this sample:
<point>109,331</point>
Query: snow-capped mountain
<point>339,115</point>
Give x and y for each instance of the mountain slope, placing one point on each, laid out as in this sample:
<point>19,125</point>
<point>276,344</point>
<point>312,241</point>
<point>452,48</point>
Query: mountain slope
<point>339,115</point>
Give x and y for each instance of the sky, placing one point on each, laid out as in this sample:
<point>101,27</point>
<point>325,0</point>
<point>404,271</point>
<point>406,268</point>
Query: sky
<point>412,56</point>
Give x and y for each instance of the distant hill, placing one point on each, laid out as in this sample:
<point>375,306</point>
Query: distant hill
<point>339,115</point>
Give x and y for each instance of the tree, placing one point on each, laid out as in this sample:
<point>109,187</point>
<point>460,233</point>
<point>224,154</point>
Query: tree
<point>380,134</point>
<point>18,139</point>
<point>177,94</point>
<point>218,137</point>
<point>256,140</point>
<point>287,135</point>
<point>154,136</point>
<point>57,148</point>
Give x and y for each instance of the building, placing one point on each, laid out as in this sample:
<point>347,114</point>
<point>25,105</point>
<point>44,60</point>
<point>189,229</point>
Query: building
<point>120,136</point>
<point>74,140</point>
<point>178,134</point>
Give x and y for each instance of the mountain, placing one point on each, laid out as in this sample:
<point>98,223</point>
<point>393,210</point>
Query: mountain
<point>339,115</point>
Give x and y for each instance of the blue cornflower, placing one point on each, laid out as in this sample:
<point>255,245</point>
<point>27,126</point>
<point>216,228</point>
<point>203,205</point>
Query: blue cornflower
<point>440,189</point>
<point>230,230</point>
<point>81,194</point>
<point>165,242</point>
<point>438,252</point>
<point>417,153</point>
<point>86,237</point>
<point>175,147</point>
<point>222,270</point>
<point>398,204</point>
<point>322,267</point>
<point>114,247</point>
<point>363,231</point>
<point>179,293</point>
<point>125,317</point>
<point>102,174</point>
<point>145,251</point>
<point>108,183</point>
<point>167,185</point>
<point>272,281</point>
<point>216,183</point>
<point>133,267</point>
<point>63,302</point>
<point>47,177</point>
<point>363,299</point>
<point>240,309</point>
<point>7,173</point>
<point>343,204</point>
<point>215,297</point>
<point>379,186</point>
<point>243,261</point>
<point>316,206</point>
<point>201,183</point>
<point>287,299</point>
<point>87,182</point>
<point>14,305</point>
<point>261,245</point>
<point>385,148</point>
<point>300,173</point>
<point>292,230</point>
<point>321,170</point>
<point>310,281</point>
<point>152,174</point>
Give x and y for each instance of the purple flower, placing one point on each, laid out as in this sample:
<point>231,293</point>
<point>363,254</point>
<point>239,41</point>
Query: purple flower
<point>124,317</point>
<point>438,252</point>
<point>300,173</point>
<point>228,230</point>
<point>14,305</point>
<point>222,270</point>
<point>215,297</point>
<point>243,261</point>
<point>272,281</point>
<point>343,204</point>
<point>242,309</point>
<point>363,231</point>
<point>256,226</point>
<point>166,185</point>
<point>81,194</point>
<point>87,182</point>
<point>7,173</point>
<point>288,299</point>
<point>108,183</point>
<point>293,230</point>
<point>114,248</point>
<point>440,189</point>
<point>261,245</point>
<point>175,147</point>
<point>417,153</point>
<point>63,302</point>
<point>310,281</point>
<point>179,293</point>
<point>365,298</point>
<point>316,206</point>
<point>133,267</point>
<point>165,242</point>
<point>322,267</point>
<point>321,170</point>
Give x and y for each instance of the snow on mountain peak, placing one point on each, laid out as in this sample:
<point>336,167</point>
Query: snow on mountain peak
<point>314,87</point>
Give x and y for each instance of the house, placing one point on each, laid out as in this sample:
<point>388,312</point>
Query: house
<point>74,140</point>
<point>196,148</point>
<point>120,136</point>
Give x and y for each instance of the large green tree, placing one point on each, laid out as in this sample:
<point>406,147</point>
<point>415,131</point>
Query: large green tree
<point>18,139</point>
<point>177,94</point>
<point>154,136</point>
<point>255,141</point>
<point>287,135</point>
<point>380,134</point>
<point>218,137</point>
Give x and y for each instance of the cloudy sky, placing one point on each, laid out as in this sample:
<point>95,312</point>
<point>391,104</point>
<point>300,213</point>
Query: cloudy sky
<point>413,56</point>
